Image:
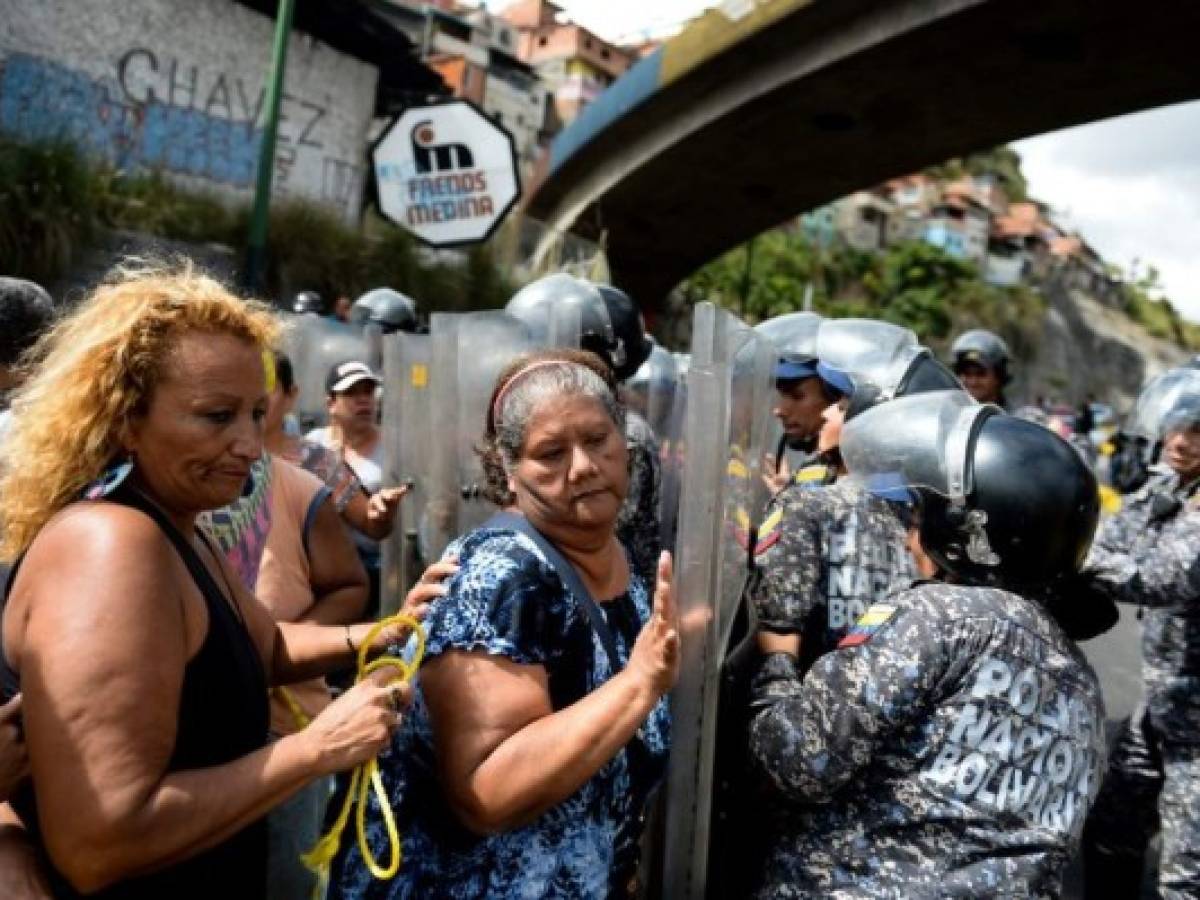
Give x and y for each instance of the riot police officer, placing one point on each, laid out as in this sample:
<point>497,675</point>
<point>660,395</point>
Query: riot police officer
<point>801,398</point>
<point>610,326</point>
<point>981,360</point>
<point>951,745</point>
<point>386,308</point>
<point>823,556</point>
<point>1149,555</point>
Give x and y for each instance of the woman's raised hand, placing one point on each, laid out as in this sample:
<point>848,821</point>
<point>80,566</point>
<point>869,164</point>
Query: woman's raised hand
<point>655,654</point>
<point>358,724</point>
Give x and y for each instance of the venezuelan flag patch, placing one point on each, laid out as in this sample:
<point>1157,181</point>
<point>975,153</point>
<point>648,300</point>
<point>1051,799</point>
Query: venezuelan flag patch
<point>868,623</point>
<point>769,532</point>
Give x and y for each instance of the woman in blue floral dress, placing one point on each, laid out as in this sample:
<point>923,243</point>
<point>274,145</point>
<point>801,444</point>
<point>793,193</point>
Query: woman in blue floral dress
<point>528,758</point>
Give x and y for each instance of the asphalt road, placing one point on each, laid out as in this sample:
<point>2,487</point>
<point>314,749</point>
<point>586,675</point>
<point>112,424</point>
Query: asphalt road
<point>1116,657</point>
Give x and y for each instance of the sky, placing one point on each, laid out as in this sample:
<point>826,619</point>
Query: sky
<point>1130,186</point>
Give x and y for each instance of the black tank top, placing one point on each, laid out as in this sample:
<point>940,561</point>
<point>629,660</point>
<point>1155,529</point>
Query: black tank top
<point>223,715</point>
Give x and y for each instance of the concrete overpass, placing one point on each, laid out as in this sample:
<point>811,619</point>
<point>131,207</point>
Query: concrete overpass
<point>733,127</point>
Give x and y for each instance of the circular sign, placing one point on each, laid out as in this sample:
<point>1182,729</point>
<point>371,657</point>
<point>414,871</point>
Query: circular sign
<point>447,173</point>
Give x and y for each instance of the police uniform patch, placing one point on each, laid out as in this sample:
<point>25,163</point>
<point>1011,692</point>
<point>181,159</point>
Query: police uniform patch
<point>868,623</point>
<point>814,476</point>
<point>769,532</point>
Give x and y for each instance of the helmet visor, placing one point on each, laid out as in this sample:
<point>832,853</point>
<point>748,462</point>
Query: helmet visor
<point>1164,403</point>
<point>918,442</point>
<point>795,334</point>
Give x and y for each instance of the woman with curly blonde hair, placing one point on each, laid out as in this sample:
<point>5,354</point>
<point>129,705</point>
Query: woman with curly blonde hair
<point>144,664</point>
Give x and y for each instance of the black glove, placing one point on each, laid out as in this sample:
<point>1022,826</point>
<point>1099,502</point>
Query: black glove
<point>1082,607</point>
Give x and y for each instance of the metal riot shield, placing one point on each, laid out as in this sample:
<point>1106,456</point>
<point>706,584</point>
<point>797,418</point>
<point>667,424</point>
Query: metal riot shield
<point>727,424</point>
<point>467,353</point>
<point>316,344</point>
<point>407,451</point>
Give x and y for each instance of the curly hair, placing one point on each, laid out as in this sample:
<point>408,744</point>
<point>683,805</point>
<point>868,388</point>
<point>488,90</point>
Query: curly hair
<point>95,371</point>
<point>580,373</point>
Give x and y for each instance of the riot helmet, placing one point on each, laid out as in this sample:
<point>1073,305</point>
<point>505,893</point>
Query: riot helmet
<point>1170,403</point>
<point>984,348</point>
<point>656,379</point>
<point>632,346</point>
<point>980,359</point>
<point>1003,502</point>
<point>872,362</point>
<point>308,302</point>
<point>390,310</point>
<point>795,335</point>
<point>541,304</point>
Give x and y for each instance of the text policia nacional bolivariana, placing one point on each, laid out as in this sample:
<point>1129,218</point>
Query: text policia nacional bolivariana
<point>1021,744</point>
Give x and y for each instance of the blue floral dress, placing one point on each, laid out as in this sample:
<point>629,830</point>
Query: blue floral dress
<point>506,600</point>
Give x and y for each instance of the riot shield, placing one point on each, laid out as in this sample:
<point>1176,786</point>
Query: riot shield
<point>407,452</point>
<point>727,426</point>
<point>467,353</point>
<point>316,344</point>
<point>655,392</point>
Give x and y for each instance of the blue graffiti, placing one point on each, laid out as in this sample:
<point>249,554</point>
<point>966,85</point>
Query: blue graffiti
<point>42,100</point>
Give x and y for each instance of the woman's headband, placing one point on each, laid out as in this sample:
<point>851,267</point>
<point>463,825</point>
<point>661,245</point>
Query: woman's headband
<point>518,375</point>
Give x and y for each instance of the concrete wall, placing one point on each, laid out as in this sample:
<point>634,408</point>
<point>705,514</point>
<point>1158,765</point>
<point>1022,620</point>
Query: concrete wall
<point>178,86</point>
<point>520,111</point>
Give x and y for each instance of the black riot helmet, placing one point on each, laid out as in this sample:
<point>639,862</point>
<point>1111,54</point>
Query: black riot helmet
<point>308,302</point>
<point>984,348</point>
<point>608,323</point>
<point>390,310</point>
<point>632,344</point>
<point>1003,501</point>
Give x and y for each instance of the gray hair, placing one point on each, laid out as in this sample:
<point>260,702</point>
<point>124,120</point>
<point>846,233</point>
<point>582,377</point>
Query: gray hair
<point>519,397</point>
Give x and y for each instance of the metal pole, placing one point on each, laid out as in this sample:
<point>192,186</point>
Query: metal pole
<point>256,255</point>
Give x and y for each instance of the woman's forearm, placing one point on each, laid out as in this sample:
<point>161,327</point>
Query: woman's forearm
<point>338,607</point>
<point>551,758</point>
<point>184,814</point>
<point>304,650</point>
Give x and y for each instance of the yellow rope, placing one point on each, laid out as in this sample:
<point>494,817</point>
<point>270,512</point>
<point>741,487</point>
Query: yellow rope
<point>299,716</point>
<point>366,776</point>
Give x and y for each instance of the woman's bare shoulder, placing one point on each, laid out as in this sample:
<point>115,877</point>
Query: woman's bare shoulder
<point>104,543</point>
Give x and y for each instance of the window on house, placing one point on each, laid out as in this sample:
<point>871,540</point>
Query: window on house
<point>587,43</point>
<point>604,53</point>
<point>542,41</point>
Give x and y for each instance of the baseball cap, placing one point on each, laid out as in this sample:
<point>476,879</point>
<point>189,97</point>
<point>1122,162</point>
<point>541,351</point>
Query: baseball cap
<point>345,375</point>
<point>836,378</point>
<point>794,368</point>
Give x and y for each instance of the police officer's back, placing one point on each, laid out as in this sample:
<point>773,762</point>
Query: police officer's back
<point>951,745</point>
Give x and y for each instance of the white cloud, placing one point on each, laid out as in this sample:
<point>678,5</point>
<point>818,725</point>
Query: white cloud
<point>1131,186</point>
<point>626,20</point>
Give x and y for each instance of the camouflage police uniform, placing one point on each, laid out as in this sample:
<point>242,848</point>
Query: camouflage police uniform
<point>1149,555</point>
<point>950,747</point>
<point>824,556</point>
<point>637,524</point>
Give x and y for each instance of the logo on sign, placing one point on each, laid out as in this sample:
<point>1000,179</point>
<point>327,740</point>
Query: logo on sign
<point>447,173</point>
